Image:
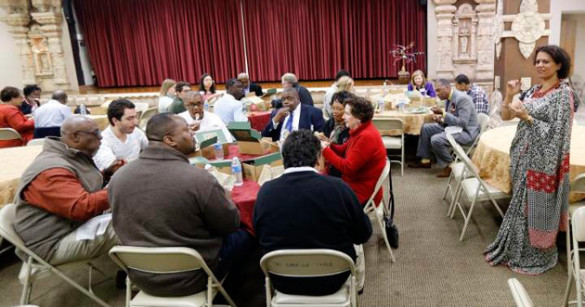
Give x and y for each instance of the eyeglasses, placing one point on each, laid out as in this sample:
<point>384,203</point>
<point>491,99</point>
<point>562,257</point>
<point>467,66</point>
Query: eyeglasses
<point>96,133</point>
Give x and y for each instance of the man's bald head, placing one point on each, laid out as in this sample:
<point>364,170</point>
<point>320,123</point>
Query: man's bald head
<point>160,125</point>
<point>60,96</point>
<point>81,133</point>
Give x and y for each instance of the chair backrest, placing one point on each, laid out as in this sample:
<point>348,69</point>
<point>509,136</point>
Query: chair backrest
<point>483,120</point>
<point>158,260</point>
<point>385,124</point>
<point>7,217</point>
<point>36,142</point>
<point>578,224</point>
<point>578,185</point>
<point>385,173</point>
<point>9,134</point>
<point>145,116</point>
<point>306,263</point>
<point>520,295</point>
<point>463,157</point>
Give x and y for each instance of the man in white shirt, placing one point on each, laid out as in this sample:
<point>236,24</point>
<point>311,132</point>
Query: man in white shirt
<point>121,141</point>
<point>53,112</point>
<point>228,107</point>
<point>198,119</point>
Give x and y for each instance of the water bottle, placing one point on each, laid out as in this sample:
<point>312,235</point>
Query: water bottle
<point>218,148</point>
<point>237,171</point>
<point>206,106</point>
<point>380,105</point>
<point>82,109</point>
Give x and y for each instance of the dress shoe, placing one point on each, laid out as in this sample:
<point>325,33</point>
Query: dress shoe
<point>446,172</point>
<point>419,164</point>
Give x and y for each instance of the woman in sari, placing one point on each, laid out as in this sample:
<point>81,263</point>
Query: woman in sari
<point>539,167</point>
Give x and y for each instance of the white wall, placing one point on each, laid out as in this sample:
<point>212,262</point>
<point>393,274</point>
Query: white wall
<point>431,40</point>
<point>557,9</point>
<point>10,73</point>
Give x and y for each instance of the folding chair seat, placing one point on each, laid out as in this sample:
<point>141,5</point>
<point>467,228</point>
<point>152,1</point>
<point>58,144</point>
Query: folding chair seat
<point>166,260</point>
<point>309,263</point>
<point>475,188</point>
<point>35,267</point>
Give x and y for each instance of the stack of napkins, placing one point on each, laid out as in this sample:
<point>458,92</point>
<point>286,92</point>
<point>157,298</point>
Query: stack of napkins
<point>227,181</point>
<point>270,172</point>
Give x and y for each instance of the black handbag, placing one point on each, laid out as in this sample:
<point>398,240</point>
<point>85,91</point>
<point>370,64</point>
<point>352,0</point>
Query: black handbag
<point>391,229</point>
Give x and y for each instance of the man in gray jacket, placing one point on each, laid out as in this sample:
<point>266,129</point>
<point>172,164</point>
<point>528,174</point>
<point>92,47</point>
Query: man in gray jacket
<point>159,200</point>
<point>459,118</point>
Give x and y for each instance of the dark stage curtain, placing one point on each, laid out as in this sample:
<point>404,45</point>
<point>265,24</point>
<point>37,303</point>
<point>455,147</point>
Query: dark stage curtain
<point>142,42</point>
<point>316,38</point>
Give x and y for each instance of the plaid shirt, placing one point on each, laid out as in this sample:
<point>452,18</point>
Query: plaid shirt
<point>480,99</point>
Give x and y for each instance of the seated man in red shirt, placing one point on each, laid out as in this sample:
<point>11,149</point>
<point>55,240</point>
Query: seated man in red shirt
<point>60,191</point>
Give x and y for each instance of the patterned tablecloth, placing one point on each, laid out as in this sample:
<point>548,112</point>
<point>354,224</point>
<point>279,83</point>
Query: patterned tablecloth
<point>13,162</point>
<point>412,122</point>
<point>492,157</point>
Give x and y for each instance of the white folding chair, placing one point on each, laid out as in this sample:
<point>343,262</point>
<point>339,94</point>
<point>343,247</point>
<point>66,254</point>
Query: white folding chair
<point>577,186</point>
<point>145,116</point>
<point>36,142</point>
<point>396,125</point>
<point>474,188</point>
<point>521,297</point>
<point>7,134</point>
<point>309,263</point>
<point>578,232</point>
<point>35,265</point>
<point>166,260</point>
<point>483,120</point>
<point>371,207</point>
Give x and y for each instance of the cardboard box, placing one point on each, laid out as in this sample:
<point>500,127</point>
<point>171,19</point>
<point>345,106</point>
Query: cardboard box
<point>224,166</point>
<point>253,168</point>
<point>249,140</point>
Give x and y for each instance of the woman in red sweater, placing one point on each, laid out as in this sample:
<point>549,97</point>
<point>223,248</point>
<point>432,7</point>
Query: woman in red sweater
<point>12,117</point>
<point>362,158</point>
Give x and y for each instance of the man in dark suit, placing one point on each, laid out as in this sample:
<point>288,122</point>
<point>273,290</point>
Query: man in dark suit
<point>290,80</point>
<point>250,87</point>
<point>303,209</point>
<point>292,116</point>
<point>459,116</point>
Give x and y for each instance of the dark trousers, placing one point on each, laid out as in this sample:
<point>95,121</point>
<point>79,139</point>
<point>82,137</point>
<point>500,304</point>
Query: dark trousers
<point>234,252</point>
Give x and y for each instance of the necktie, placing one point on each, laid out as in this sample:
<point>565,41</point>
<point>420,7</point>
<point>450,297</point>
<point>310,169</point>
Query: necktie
<point>289,122</point>
<point>447,105</point>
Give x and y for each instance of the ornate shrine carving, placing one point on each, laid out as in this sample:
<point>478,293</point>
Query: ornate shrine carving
<point>37,28</point>
<point>464,36</point>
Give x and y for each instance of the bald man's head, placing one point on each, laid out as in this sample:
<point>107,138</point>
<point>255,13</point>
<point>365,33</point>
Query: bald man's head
<point>81,133</point>
<point>166,129</point>
<point>60,96</point>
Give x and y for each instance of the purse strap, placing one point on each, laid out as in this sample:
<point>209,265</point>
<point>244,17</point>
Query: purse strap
<point>391,195</point>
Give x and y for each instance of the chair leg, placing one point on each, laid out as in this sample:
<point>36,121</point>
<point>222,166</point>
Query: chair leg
<point>25,296</point>
<point>128,291</point>
<point>383,230</point>
<point>467,218</point>
<point>268,291</point>
<point>568,290</point>
<point>448,188</point>
<point>455,202</point>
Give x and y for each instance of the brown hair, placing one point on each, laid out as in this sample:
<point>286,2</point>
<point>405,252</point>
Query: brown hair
<point>418,73</point>
<point>361,108</point>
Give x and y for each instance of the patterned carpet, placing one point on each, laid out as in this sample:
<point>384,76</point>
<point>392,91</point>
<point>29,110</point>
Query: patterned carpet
<point>433,268</point>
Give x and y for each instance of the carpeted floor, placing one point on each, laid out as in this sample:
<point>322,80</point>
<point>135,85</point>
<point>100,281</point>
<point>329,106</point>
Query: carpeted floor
<point>433,268</point>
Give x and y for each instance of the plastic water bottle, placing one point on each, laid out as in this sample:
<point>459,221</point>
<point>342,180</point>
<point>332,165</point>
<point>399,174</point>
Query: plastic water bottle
<point>381,105</point>
<point>82,109</point>
<point>206,106</point>
<point>237,171</point>
<point>218,148</point>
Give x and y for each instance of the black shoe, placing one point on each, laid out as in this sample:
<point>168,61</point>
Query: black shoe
<point>419,164</point>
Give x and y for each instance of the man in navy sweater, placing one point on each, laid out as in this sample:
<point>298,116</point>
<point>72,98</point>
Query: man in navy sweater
<point>303,209</point>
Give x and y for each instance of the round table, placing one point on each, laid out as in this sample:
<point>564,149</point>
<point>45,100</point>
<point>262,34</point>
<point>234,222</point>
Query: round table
<point>492,157</point>
<point>101,120</point>
<point>412,122</point>
<point>13,163</point>
<point>244,197</point>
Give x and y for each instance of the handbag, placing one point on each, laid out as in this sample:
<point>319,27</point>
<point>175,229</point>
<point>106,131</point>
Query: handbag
<point>391,229</point>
